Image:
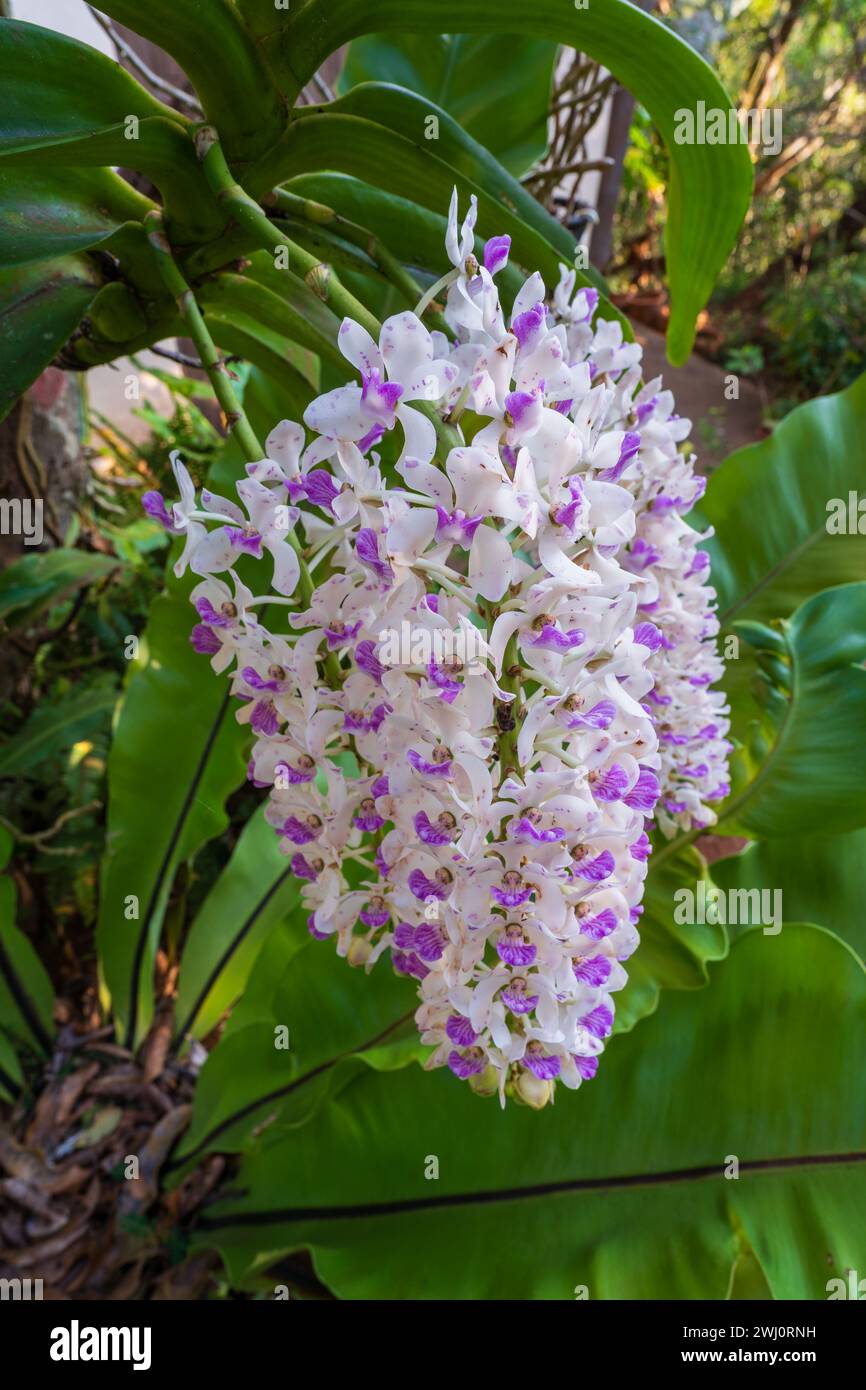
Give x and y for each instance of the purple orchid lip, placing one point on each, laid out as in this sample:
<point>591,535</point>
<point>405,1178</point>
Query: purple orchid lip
<point>595,971</point>
<point>642,848</point>
<point>524,409</point>
<point>456,526</point>
<point>460,1031</point>
<point>467,1064</point>
<point>545,1067</point>
<point>367,661</point>
<point>526,830</point>
<point>301,868</point>
<point>367,551</point>
<point>648,635</point>
<point>517,1000</point>
<point>339,637</point>
<point>599,926</point>
<point>599,1022</point>
<point>511,897</point>
<point>407,963</point>
<point>644,554</point>
<point>628,449</point>
<point>380,397</point>
<point>609,785</point>
<point>550,639</point>
<point>529,326</point>
<point>587,1066</point>
<point>321,489</point>
<point>448,689</point>
<point>374,916</point>
<point>424,887</point>
<point>371,438</point>
<point>596,870</point>
<point>264,718</point>
<point>208,614</point>
<point>428,769</point>
<point>601,716</point>
<point>204,640</point>
<point>429,942</point>
<point>404,936</point>
<point>514,950</point>
<point>294,775</point>
<point>645,792</point>
<point>644,411</point>
<point>431,833</point>
<point>257,682</point>
<point>250,542</point>
<point>154,505</point>
<point>313,929</point>
<point>370,821</point>
<point>496,252</point>
<point>567,515</point>
<point>298,832</point>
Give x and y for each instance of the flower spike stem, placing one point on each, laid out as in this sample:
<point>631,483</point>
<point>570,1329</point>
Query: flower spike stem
<point>215,367</point>
<point>320,215</point>
<point>247,213</point>
<point>318,274</point>
<point>193,319</point>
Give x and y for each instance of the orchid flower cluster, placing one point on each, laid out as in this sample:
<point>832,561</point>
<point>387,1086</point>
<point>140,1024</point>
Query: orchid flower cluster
<point>482,821</point>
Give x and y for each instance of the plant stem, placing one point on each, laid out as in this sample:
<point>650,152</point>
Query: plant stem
<point>215,367</point>
<point>194,322</point>
<point>320,215</point>
<point>317,274</point>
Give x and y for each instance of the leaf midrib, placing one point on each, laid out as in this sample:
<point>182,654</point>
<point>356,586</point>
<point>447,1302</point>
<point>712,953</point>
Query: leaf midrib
<point>551,1189</point>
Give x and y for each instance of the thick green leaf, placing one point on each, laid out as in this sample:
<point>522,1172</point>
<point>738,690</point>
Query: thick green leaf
<point>670,956</point>
<point>211,44</point>
<point>41,304</point>
<point>26,995</point>
<point>472,78</point>
<point>56,89</point>
<point>709,185</point>
<point>254,893</point>
<point>413,233</point>
<point>176,738</point>
<point>820,877</point>
<point>54,726</point>
<point>277,300</point>
<point>176,730</point>
<point>49,212</point>
<point>37,581</point>
<point>804,765</point>
<point>338,1019</point>
<point>619,1188</point>
<point>11,1075</point>
<point>769,502</point>
<point>398,164</point>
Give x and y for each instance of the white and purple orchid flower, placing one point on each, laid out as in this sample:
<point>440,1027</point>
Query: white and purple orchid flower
<point>492,834</point>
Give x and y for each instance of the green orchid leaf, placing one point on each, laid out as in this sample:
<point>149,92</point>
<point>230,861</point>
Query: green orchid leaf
<point>408,1186</point>
<point>41,305</point>
<point>778,535</point>
<point>472,78</point>
<point>709,186</point>
<point>803,766</point>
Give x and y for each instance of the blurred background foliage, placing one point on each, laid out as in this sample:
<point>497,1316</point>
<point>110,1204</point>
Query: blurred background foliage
<point>789,307</point>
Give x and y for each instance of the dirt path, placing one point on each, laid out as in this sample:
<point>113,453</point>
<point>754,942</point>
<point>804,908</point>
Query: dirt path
<point>720,425</point>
